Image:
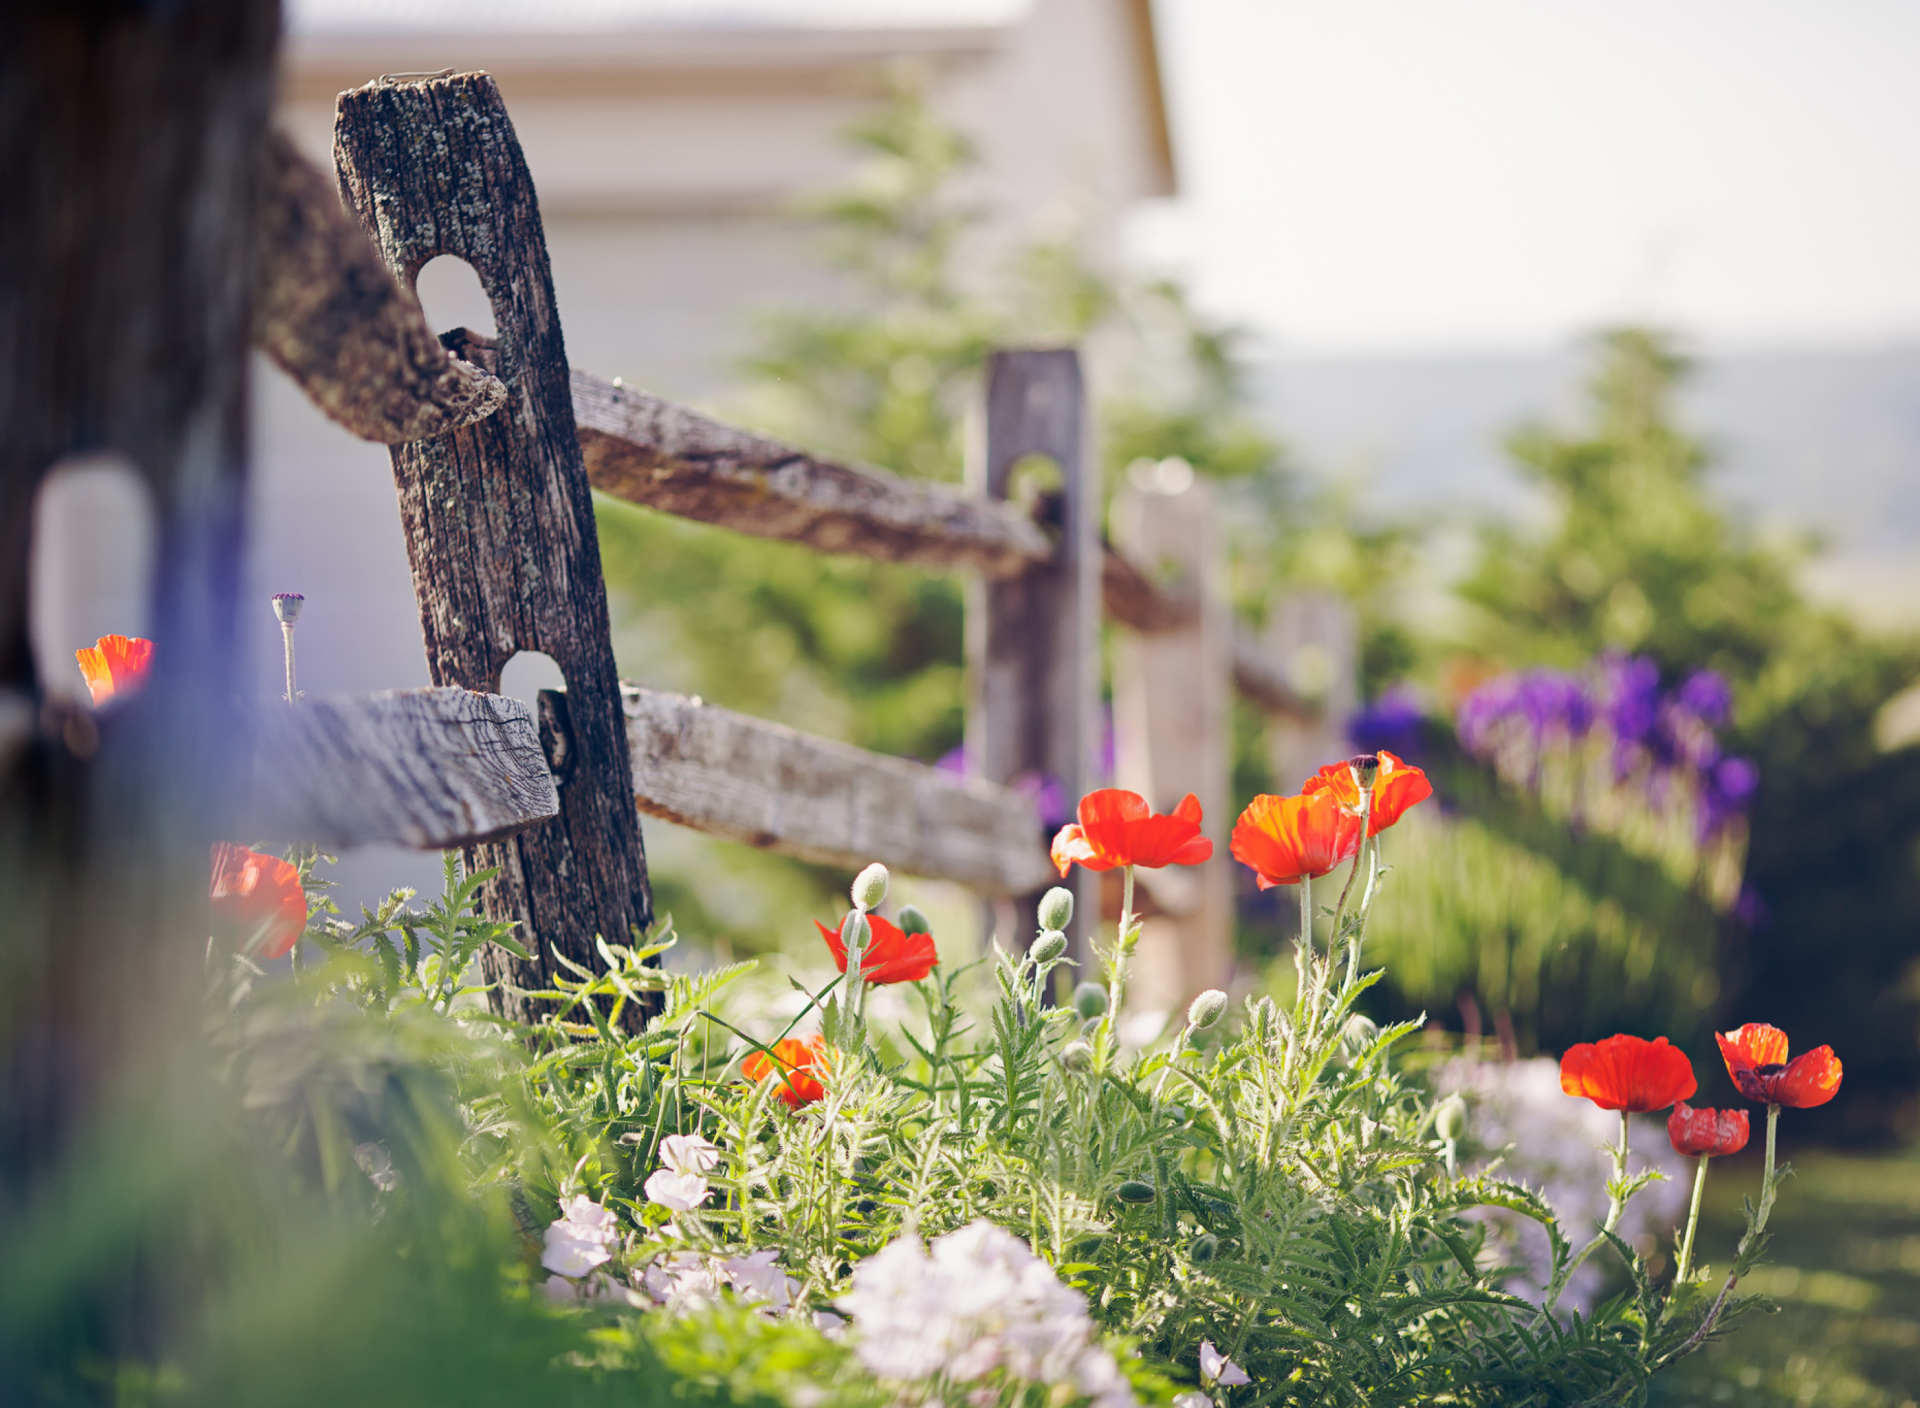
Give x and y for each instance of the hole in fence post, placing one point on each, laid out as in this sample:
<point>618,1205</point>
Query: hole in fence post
<point>90,566</point>
<point>533,677</point>
<point>452,296</point>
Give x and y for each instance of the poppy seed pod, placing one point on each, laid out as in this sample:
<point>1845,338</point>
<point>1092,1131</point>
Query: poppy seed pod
<point>1134,1190</point>
<point>1450,1118</point>
<point>1206,1009</point>
<point>1366,768</point>
<point>1077,1056</point>
<point>870,886</point>
<point>1204,1249</point>
<point>1090,1000</point>
<point>1056,908</point>
<point>1048,947</point>
<point>913,921</point>
<point>286,607</point>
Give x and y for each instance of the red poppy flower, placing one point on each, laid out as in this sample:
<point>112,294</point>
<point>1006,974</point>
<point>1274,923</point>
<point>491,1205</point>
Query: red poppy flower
<point>1118,828</point>
<point>1397,787</point>
<point>257,899</point>
<point>1628,1073</point>
<point>1756,1057</point>
<point>795,1061</point>
<point>893,956</point>
<point>115,665</point>
<point>1710,1132</point>
<point>1287,839</point>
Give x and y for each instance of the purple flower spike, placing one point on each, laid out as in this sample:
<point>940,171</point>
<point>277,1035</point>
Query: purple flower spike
<point>1391,722</point>
<point>1707,695</point>
<point>1736,779</point>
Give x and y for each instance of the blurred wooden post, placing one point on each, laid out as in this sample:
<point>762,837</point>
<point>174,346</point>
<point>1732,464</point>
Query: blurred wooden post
<point>1033,639</point>
<point>1172,697</point>
<point>498,514</point>
<point>1312,640</point>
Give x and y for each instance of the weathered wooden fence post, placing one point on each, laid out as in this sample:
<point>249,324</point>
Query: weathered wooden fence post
<point>498,515</point>
<point>1033,639</point>
<point>1172,701</point>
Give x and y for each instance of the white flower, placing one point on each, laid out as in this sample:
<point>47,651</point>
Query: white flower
<point>683,1192</point>
<point>688,1153</point>
<point>1190,1399</point>
<point>559,1290</point>
<point>756,1278</point>
<point>974,1302</point>
<point>683,1281</point>
<point>829,1324</point>
<point>578,1239</point>
<point>1216,1368</point>
<point>377,1164</point>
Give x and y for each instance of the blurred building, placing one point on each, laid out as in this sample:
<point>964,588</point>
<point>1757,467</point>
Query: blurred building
<point>670,141</point>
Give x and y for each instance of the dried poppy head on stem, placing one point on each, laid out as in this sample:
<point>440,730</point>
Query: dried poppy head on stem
<point>892,955</point>
<point>1287,839</point>
<point>1709,1133</point>
<point>1118,828</point>
<point>257,900</point>
<point>792,1063</point>
<point>1397,788</point>
<point>115,665</point>
<point>1756,1057</point>
<point>1628,1073</point>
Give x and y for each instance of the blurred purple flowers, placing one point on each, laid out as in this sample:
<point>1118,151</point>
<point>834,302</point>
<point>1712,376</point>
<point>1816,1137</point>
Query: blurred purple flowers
<point>1664,745</point>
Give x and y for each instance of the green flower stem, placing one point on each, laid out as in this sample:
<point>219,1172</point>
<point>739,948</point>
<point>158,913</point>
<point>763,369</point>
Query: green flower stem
<point>1693,1221</point>
<point>1615,1205</point>
<point>1122,950</point>
<point>1753,1235</point>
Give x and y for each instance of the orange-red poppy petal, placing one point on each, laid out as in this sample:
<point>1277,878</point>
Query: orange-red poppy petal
<point>892,956</point>
<point>257,899</point>
<point>1117,827</point>
<point>1810,1079</point>
<point>1749,1047</point>
<point>115,665</point>
<point>1286,839</point>
<point>1709,1133</point>
<point>1628,1073</point>
<point>793,1061</point>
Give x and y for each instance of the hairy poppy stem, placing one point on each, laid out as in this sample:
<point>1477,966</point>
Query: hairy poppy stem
<point>1753,1235</point>
<point>1116,973</point>
<point>1693,1221</point>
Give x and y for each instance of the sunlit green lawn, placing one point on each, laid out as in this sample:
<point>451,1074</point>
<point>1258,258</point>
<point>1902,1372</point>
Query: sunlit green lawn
<point>1845,1270</point>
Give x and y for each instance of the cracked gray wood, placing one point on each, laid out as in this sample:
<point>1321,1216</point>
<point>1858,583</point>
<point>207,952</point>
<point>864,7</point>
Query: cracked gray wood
<point>333,317</point>
<point>744,779</point>
<point>429,768</point>
<point>498,514</point>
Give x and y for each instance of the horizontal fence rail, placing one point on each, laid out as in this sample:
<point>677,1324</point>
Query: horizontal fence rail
<point>744,779</point>
<point>651,452</point>
<point>430,768</point>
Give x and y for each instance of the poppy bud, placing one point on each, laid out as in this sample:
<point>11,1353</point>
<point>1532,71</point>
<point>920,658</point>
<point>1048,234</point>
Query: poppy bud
<point>1077,1056</point>
<point>913,921</point>
<point>1048,947</point>
<point>1056,908</point>
<point>1090,1000</point>
<point>855,931</point>
<point>1134,1190</point>
<point>1359,1034</point>
<point>1450,1118</point>
<point>1204,1249</point>
<point>870,886</point>
<point>1206,1009</point>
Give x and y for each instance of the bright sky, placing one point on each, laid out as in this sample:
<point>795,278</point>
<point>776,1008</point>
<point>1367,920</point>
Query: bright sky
<point>1411,175</point>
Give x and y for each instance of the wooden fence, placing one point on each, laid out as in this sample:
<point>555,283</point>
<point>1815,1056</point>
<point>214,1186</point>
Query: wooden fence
<point>496,444</point>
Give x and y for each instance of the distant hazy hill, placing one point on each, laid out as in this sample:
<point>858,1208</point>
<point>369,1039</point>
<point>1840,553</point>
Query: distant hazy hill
<point>1827,442</point>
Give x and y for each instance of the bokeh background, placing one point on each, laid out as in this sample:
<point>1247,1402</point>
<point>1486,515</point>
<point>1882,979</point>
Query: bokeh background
<point>1576,348</point>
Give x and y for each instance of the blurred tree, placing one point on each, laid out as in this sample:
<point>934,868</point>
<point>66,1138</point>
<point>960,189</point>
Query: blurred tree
<point>1637,557</point>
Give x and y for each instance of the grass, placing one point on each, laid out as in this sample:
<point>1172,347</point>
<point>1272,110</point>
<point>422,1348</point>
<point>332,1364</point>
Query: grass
<point>1844,1269</point>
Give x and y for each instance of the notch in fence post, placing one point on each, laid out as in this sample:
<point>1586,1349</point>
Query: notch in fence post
<point>1172,724</point>
<point>498,515</point>
<point>1033,640</point>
